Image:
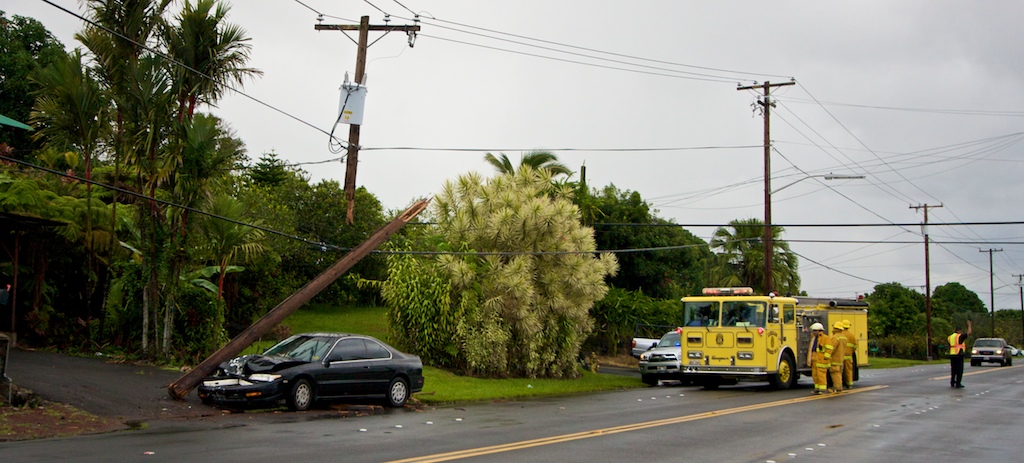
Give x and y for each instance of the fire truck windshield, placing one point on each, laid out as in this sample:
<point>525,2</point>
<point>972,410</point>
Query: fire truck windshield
<point>747,313</point>
<point>701,314</point>
<point>725,313</point>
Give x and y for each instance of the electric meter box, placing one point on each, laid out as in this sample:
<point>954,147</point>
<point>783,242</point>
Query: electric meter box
<point>350,106</point>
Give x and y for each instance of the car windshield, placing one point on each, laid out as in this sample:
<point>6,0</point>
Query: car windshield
<point>987,343</point>
<point>669,340</point>
<point>304,348</point>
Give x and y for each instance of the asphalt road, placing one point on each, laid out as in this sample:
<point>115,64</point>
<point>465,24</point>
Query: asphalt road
<point>906,415</point>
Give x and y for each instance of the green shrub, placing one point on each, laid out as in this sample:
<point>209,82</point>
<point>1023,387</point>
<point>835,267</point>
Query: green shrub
<point>617,316</point>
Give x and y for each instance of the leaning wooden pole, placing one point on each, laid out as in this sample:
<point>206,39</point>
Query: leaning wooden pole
<point>180,388</point>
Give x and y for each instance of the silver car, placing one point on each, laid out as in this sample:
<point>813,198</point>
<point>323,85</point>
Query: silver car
<point>991,350</point>
<point>663,361</point>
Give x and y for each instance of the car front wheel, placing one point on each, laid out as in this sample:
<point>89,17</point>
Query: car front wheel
<point>301,396</point>
<point>398,392</point>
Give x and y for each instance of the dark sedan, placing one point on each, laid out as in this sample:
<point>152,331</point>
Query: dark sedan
<point>311,367</point>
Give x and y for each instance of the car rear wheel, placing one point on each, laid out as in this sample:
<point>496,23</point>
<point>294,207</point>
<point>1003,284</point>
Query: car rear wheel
<point>302,395</point>
<point>398,392</point>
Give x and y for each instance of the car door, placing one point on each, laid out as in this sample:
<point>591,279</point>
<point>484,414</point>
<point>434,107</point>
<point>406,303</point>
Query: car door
<point>380,367</point>
<point>347,371</point>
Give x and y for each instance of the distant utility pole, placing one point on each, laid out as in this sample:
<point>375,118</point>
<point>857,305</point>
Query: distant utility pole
<point>927,280</point>
<point>991,289</point>
<point>1020,284</point>
<point>769,247</point>
<point>352,158</point>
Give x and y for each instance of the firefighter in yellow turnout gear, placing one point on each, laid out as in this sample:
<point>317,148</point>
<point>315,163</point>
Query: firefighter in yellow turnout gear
<point>820,357</point>
<point>851,347</point>
<point>838,355</point>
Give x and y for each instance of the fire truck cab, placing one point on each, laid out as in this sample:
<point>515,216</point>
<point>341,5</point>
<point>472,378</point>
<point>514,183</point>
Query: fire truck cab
<point>731,335</point>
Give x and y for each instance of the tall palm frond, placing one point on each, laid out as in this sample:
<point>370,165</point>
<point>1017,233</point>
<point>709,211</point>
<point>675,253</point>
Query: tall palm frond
<point>538,160</point>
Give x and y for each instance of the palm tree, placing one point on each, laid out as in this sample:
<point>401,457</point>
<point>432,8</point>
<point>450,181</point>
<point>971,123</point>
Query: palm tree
<point>539,160</point>
<point>71,112</point>
<point>227,240</point>
<point>213,52</point>
<point>134,82</point>
<point>741,258</point>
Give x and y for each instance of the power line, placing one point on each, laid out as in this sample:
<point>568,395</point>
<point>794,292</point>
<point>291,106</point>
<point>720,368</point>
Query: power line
<point>813,225</point>
<point>834,269</point>
<point>615,150</point>
<point>695,74</point>
<point>850,132</point>
<point>161,201</point>
<point>600,51</point>
<point>959,112</point>
<point>636,71</point>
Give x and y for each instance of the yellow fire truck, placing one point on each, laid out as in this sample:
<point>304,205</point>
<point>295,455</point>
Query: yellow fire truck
<point>731,335</point>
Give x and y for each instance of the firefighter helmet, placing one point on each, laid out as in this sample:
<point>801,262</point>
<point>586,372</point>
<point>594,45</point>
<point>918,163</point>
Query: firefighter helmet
<point>839,326</point>
<point>817,327</point>
<point>847,324</point>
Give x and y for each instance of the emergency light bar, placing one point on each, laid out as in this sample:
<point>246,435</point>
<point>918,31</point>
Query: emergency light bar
<point>744,291</point>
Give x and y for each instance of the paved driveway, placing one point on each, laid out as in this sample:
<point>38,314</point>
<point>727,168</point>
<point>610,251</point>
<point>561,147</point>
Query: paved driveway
<point>101,386</point>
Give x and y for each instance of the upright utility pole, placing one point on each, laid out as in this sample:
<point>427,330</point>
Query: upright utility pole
<point>927,280</point>
<point>1020,284</point>
<point>769,247</point>
<point>991,289</point>
<point>352,158</point>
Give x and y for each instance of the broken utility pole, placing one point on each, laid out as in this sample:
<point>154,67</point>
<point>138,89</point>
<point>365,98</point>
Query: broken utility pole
<point>180,388</point>
<point>352,158</point>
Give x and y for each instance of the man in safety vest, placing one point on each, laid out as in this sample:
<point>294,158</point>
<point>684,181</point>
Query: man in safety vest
<point>851,347</point>
<point>820,357</point>
<point>838,353</point>
<point>957,346</point>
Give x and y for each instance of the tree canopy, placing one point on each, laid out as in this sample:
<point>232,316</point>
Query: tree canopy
<point>25,46</point>
<point>741,258</point>
<point>518,304</point>
<point>673,266</point>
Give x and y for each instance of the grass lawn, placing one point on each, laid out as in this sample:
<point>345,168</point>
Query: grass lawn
<point>885,362</point>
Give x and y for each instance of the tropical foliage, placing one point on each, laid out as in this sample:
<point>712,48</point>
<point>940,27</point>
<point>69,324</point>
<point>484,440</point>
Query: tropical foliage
<point>537,160</point>
<point>741,258</point>
<point>672,263</point>
<point>178,244</point>
<point>517,304</point>
<point>25,46</point>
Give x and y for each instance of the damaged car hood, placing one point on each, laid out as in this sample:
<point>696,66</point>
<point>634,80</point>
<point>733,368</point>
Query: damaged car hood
<point>257,363</point>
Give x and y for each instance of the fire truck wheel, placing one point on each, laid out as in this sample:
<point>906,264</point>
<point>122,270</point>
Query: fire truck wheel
<point>787,375</point>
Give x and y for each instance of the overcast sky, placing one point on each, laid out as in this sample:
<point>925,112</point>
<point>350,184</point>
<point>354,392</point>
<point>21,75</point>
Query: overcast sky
<point>922,98</point>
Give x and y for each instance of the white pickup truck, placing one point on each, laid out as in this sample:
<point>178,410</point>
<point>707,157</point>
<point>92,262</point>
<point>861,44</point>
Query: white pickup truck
<point>641,345</point>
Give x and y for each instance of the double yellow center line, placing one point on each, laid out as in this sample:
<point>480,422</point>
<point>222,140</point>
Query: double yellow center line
<point>617,429</point>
